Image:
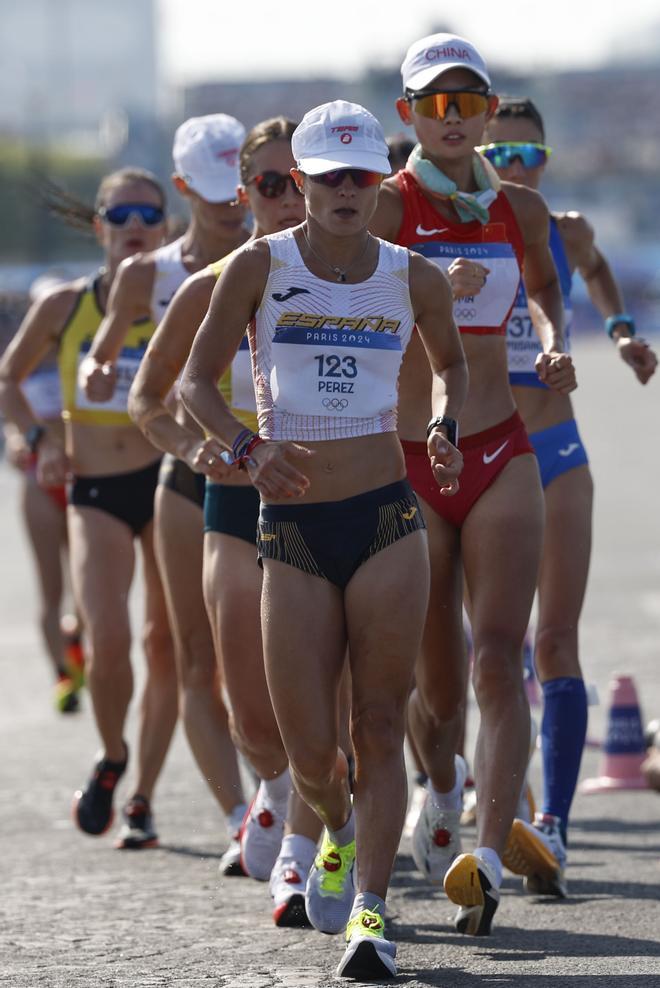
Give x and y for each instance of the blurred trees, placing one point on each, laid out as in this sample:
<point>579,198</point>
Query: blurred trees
<point>30,233</point>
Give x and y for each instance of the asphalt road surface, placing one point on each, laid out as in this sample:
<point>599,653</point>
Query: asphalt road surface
<point>76,912</point>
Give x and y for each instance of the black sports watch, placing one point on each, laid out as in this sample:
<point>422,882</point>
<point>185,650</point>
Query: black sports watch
<point>33,437</point>
<point>451,425</point>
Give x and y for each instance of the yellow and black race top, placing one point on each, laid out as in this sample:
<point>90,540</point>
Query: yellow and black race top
<point>74,345</point>
<point>236,384</point>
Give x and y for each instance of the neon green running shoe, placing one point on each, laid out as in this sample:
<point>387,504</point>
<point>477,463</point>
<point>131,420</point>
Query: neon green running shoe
<point>330,890</point>
<point>65,695</point>
<point>368,955</point>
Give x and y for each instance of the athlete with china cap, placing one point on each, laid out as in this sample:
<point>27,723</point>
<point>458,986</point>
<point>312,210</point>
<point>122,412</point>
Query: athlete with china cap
<point>449,205</point>
<point>205,153</point>
<point>331,310</point>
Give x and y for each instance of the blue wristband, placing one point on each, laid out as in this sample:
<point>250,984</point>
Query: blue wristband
<point>622,319</point>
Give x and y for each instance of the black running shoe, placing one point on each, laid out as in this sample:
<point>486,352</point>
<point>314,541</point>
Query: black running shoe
<point>137,830</point>
<point>92,807</point>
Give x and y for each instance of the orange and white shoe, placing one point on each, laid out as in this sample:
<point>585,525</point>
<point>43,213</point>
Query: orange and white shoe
<point>536,851</point>
<point>472,884</point>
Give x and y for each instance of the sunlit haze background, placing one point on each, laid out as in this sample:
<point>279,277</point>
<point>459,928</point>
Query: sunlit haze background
<point>89,85</point>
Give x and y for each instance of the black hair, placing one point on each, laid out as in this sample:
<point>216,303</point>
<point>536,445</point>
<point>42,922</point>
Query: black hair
<point>516,108</point>
<point>399,148</point>
<point>275,129</point>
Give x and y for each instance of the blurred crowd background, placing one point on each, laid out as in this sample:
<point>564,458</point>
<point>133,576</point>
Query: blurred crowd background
<point>86,88</point>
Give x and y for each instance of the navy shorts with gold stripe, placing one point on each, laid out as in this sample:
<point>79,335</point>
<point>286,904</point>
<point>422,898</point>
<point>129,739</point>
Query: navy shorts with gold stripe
<point>332,539</point>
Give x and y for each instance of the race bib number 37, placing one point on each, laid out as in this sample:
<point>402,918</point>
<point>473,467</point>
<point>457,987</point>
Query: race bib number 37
<point>334,372</point>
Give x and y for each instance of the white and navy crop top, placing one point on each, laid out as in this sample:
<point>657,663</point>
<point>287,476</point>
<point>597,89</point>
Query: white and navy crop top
<point>169,274</point>
<point>326,355</point>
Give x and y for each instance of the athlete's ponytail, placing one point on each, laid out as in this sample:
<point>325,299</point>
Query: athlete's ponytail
<point>79,214</point>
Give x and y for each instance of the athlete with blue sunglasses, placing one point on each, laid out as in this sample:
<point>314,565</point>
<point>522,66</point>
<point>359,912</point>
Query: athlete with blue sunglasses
<point>113,472</point>
<point>517,150</point>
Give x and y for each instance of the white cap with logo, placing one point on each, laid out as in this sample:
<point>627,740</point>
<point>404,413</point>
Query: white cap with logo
<point>437,53</point>
<point>340,135</point>
<point>206,155</point>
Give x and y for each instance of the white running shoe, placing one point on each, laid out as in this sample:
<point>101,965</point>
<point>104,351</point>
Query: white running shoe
<point>537,851</point>
<point>471,883</point>
<point>416,805</point>
<point>526,807</point>
<point>230,863</point>
<point>330,889</point>
<point>469,814</point>
<point>436,839</point>
<point>261,836</point>
<point>368,955</point>
<point>287,887</point>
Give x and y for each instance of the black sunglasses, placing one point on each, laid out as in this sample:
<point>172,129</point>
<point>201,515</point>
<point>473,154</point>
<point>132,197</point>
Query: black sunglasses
<point>359,176</point>
<point>272,185</point>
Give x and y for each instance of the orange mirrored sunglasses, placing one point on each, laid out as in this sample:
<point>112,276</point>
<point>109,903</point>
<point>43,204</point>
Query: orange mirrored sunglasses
<point>435,105</point>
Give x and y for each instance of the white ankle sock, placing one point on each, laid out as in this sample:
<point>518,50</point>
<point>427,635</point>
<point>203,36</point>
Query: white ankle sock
<point>298,848</point>
<point>452,800</point>
<point>491,858</point>
<point>345,834</point>
<point>277,790</point>
<point>235,818</point>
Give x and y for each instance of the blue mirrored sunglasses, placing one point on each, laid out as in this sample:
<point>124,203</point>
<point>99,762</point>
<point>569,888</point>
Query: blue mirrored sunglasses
<point>502,154</point>
<point>120,215</point>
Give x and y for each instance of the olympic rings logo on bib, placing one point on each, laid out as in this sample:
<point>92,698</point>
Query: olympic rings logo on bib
<point>465,313</point>
<point>336,404</point>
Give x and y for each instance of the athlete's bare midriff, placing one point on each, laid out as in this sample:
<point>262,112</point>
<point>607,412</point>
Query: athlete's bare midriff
<point>541,408</point>
<point>99,451</point>
<point>489,399</point>
<point>342,468</point>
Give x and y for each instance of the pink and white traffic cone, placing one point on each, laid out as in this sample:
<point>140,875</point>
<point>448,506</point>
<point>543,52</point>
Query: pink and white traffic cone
<point>624,749</point>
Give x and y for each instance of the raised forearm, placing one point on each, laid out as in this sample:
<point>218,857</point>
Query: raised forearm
<point>207,406</point>
<point>160,428</point>
<point>604,291</point>
<point>547,313</point>
<point>14,406</point>
<point>449,389</point>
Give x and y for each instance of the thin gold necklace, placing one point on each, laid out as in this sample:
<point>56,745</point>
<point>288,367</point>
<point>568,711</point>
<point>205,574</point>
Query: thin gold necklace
<point>341,273</point>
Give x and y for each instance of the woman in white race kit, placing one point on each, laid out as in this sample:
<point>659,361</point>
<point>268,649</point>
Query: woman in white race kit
<point>516,147</point>
<point>331,310</point>
<point>232,581</point>
<point>205,153</point>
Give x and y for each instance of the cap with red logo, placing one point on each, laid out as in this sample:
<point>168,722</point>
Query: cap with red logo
<point>206,153</point>
<point>340,135</point>
<point>429,57</point>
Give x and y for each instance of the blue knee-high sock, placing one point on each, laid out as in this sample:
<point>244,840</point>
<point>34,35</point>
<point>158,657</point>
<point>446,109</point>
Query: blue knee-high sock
<point>563,731</point>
